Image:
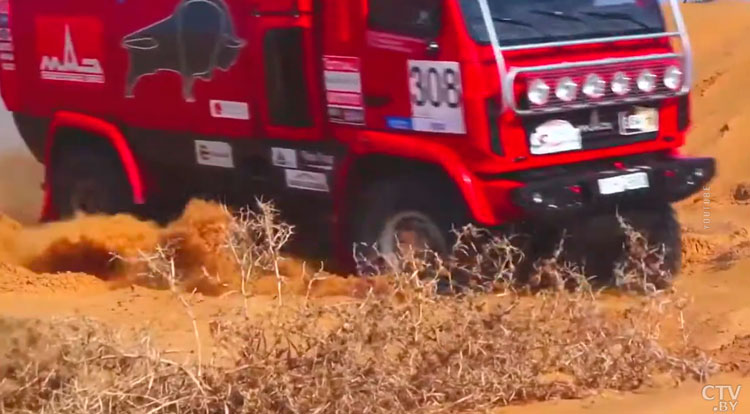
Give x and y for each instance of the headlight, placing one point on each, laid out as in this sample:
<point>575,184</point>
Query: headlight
<point>673,78</point>
<point>646,81</point>
<point>620,84</point>
<point>567,89</point>
<point>538,92</point>
<point>594,86</point>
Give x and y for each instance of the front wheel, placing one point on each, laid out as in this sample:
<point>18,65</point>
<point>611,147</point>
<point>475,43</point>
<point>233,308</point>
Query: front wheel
<point>648,238</point>
<point>395,219</point>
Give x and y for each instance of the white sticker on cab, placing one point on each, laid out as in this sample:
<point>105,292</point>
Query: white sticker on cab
<point>284,157</point>
<point>214,154</point>
<point>306,180</point>
<point>229,109</point>
<point>555,136</point>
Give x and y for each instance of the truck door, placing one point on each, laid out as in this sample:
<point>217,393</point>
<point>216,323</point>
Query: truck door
<point>287,45</point>
<point>411,79</point>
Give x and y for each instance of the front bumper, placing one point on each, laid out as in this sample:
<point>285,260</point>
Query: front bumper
<point>577,192</point>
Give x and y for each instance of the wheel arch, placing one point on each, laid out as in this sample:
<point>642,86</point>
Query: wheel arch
<point>402,152</point>
<point>394,156</point>
<point>372,168</point>
<point>70,128</point>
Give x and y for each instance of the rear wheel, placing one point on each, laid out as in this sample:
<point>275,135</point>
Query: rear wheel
<point>89,180</point>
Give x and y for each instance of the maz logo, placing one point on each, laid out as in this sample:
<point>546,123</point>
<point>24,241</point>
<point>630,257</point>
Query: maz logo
<point>86,70</point>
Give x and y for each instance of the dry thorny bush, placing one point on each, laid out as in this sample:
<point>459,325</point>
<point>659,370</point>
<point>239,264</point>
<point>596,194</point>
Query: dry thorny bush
<point>643,267</point>
<point>413,350</point>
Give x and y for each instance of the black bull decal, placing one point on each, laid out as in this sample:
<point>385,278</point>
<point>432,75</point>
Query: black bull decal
<point>194,41</point>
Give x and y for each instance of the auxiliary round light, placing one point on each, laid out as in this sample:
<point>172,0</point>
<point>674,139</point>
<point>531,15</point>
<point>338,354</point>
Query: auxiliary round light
<point>567,89</point>
<point>538,92</point>
<point>646,81</point>
<point>620,84</point>
<point>673,78</point>
<point>594,86</point>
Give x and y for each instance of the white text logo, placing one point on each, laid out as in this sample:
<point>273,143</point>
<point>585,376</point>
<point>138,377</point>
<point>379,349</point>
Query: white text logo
<point>71,69</point>
<point>725,397</point>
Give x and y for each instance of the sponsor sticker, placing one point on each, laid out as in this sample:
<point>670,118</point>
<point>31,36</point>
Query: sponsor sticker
<point>448,126</point>
<point>555,136</point>
<point>399,122</point>
<point>284,157</point>
<point>436,96</point>
<point>7,56</point>
<point>306,180</point>
<point>638,121</point>
<point>70,49</point>
<point>344,99</point>
<point>317,160</point>
<point>6,35</point>
<point>343,83</point>
<point>343,115</point>
<point>214,154</point>
<point>229,109</point>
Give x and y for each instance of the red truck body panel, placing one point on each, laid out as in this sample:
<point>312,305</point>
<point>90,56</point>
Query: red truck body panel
<point>211,87</point>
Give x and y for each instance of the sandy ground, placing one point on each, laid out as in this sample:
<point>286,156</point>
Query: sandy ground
<point>716,226</point>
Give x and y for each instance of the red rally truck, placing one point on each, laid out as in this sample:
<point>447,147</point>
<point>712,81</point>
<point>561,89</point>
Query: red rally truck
<point>381,120</point>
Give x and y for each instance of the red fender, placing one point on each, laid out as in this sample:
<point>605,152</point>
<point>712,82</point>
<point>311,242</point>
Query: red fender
<point>102,129</point>
<point>421,150</point>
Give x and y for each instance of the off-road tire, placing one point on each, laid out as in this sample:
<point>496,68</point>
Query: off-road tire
<point>600,241</point>
<point>91,181</point>
<point>384,202</point>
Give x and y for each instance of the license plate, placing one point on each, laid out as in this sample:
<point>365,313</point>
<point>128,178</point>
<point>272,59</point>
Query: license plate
<point>623,183</point>
<point>639,121</point>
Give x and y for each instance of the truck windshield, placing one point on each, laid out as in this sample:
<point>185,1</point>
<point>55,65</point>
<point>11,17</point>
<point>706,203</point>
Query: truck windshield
<point>536,21</point>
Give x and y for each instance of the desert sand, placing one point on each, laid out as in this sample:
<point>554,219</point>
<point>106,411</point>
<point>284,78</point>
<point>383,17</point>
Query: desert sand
<point>716,228</point>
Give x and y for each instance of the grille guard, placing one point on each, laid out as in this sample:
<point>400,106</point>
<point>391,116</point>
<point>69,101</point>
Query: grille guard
<point>508,74</point>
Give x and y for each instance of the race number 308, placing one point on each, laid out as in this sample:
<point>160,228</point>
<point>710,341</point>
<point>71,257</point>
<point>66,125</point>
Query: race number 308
<point>436,96</point>
<point>435,87</point>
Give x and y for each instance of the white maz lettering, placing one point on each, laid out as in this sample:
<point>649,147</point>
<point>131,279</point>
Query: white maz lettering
<point>71,69</point>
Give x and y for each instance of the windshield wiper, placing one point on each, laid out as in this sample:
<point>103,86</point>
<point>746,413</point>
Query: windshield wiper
<point>617,16</point>
<point>515,22</point>
<point>557,14</point>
